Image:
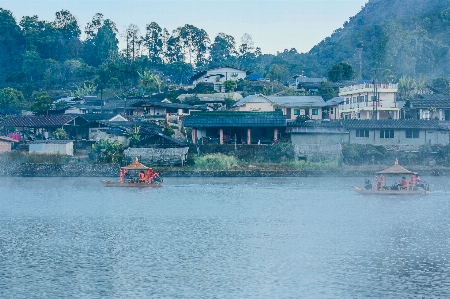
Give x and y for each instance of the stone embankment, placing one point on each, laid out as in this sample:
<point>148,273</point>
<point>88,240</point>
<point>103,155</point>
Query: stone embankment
<point>112,170</point>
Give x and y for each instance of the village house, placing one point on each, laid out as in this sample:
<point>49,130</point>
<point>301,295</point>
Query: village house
<point>312,107</point>
<point>398,133</point>
<point>369,101</point>
<point>42,127</point>
<point>233,126</point>
<point>218,76</point>
<point>332,107</point>
<point>428,106</point>
<point>6,144</point>
<point>316,139</point>
<point>213,101</point>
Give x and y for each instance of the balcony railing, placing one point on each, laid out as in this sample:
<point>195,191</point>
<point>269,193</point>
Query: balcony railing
<point>381,104</point>
<point>366,86</point>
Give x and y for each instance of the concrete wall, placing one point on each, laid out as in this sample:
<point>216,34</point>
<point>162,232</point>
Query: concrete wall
<point>52,148</point>
<point>315,146</point>
<point>157,156</point>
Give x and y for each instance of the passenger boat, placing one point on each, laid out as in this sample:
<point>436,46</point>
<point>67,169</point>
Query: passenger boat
<point>379,187</point>
<point>136,175</point>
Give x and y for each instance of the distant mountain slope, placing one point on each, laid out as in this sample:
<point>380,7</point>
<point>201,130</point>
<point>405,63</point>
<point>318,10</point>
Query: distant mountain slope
<point>399,37</point>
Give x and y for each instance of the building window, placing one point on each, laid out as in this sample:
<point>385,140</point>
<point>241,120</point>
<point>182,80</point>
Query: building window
<point>361,99</point>
<point>331,110</point>
<point>347,101</point>
<point>354,99</point>
<point>386,133</point>
<point>412,133</point>
<point>296,111</point>
<point>315,111</point>
<point>362,133</point>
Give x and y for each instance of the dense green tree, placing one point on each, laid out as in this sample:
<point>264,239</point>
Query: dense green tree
<point>68,44</point>
<point>341,71</point>
<point>441,84</point>
<point>11,98</point>
<point>149,82</point>
<point>133,42</point>
<point>33,65</point>
<point>195,43</point>
<point>230,85</point>
<point>41,102</point>
<point>179,72</point>
<point>326,91</point>
<point>154,42</point>
<point>223,50</point>
<point>11,41</point>
<point>101,43</point>
<point>275,73</point>
<point>168,131</point>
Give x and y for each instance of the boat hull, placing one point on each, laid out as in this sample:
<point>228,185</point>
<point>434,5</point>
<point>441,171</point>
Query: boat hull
<point>130,184</point>
<point>390,192</point>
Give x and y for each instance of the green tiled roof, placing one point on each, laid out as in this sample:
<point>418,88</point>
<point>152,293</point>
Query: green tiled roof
<point>235,119</point>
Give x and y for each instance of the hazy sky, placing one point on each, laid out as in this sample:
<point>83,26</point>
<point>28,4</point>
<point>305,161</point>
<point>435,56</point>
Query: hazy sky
<point>275,25</point>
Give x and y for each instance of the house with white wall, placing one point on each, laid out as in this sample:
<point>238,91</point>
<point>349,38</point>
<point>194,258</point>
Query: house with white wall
<point>219,75</point>
<point>292,106</point>
<point>369,101</point>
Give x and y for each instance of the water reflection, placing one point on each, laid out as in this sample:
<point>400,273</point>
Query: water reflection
<point>221,238</point>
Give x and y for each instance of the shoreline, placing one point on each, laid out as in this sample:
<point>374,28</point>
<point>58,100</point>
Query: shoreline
<point>112,170</point>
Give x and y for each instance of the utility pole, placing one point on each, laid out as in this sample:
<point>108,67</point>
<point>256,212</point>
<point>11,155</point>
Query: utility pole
<point>360,46</point>
<point>375,98</point>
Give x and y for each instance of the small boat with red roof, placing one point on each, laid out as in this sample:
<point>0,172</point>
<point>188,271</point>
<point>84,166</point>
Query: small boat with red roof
<point>136,174</point>
<point>412,186</point>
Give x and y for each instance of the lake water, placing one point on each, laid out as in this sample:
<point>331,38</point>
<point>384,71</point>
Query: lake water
<point>222,238</point>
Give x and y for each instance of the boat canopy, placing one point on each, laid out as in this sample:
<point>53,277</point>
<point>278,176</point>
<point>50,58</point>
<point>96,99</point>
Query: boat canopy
<point>396,169</point>
<point>136,165</point>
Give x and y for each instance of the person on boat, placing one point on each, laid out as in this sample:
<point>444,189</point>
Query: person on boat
<point>404,182</point>
<point>141,176</point>
<point>419,182</point>
<point>367,184</point>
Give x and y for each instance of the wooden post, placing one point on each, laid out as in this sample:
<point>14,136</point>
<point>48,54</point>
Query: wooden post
<point>275,134</point>
<point>249,136</point>
<point>221,135</point>
<point>194,136</point>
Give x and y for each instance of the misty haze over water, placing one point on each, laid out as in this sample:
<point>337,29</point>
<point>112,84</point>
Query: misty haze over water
<point>222,238</point>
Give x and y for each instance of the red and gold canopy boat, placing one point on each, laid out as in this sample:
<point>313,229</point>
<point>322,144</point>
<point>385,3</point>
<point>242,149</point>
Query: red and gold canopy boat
<point>413,186</point>
<point>136,174</point>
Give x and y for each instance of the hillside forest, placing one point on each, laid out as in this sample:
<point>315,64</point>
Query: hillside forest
<point>43,60</point>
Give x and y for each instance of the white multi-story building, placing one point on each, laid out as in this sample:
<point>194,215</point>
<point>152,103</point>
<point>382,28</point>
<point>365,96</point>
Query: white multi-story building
<point>369,101</point>
<point>219,75</point>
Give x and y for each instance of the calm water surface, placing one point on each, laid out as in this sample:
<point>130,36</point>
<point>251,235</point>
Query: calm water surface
<point>221,238</point>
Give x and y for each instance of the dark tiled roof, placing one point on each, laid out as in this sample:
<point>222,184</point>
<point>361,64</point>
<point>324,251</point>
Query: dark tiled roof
<point>393,124</point>
<point>316,124</point>
<point>128,124</point>
<point>434,100</point>
<point>235,119</point>
<point>149,133</point>
<point>90,117</point>
<point>201,73</point>
<point>335,101</point>
<point>38,121</point>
